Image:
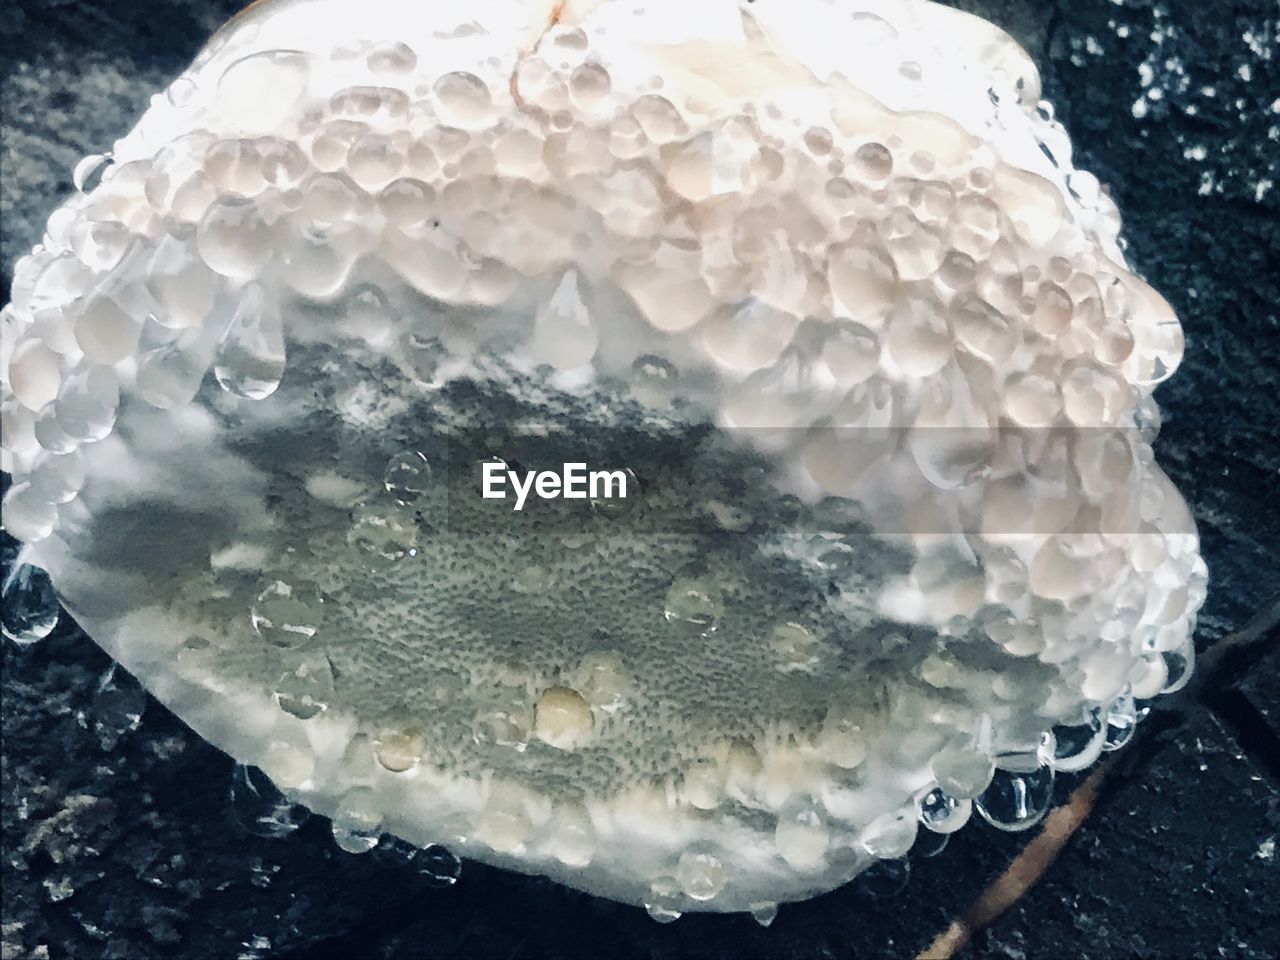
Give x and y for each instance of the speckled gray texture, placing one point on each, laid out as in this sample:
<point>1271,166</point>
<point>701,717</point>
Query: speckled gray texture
<point>1176,863</point>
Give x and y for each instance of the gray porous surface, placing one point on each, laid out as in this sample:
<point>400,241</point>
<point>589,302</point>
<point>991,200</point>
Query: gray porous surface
<point>125,844</point>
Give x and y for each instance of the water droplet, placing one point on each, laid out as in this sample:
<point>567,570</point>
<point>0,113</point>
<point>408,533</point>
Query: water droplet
<point>88,402</point>
<point>929,844</point>
<point>88,172</point>
<point>117,708</point>
<point>30,605</point>
<point>764,913</point>
<point>1019,795</point>
<point>1179,664</point>
<point>422,355</point>
<point>963,772</point>
<point>464,100</point>
<point>1122,721</point>
<point>890,835</point>
<point>615,496</point>
<point>170,375</point>
<point>693,603</point>
<point>391,59</point>
<point>305,689</point>
<point>564,335</point>
<point>408,476</point>
<point>1079,745</point>
<point>653,381</point>
<point>287,614</point>
<point>438,865</point>
<point>399,750</point>
<point>700,874</point>
<point>357,823</point>
<point>234,239</point>
<point>380,529</point>
<point>181,91</point>
<point>796,646</point>
<point>260,808</point>
<point>59,477</point>
<point>884,879</point>
<point>943,813</point>
<point>27,515</point>
<point>250,360</point>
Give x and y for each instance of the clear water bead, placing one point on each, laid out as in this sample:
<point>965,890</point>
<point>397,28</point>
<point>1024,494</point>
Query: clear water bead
<point>30,605</point>
<point>381,530</point>
<point>118,704</point>
<point>260,808</point>
<point>890,835</point>
<point>694,604</point>
<point>943,813</point>
<point>287,614</point>
<point>250,360</point>
<point>764,913</point>
<point>408,476</point>
<point>1078,745</point>
<point>88,173</point>
<point>963,772</point>
<point>438,865</point>
<point>1122,721</point>
<point>1019,795</point>
<point>357,823</point>
<point>305,688</point>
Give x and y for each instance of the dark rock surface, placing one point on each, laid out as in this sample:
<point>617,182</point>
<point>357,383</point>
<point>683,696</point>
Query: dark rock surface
<point>134,851</point>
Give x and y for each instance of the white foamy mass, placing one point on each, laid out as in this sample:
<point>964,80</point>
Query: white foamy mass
<point>819,278</point>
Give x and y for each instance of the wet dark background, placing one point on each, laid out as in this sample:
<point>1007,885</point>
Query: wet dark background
<point>133,850</point>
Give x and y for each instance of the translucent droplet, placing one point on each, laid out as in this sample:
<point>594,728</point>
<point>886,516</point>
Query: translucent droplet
<point>59,477</point>
<point>653,381</point>
<point>27,515</point>
<point>399,750</point>
<point>796,647</point>
<point>408,476</point>
<point>88,172</point>
<point>464,100</point>
<point>764,913</point>
<point>170,375</point>
<point>438,865</point>
<point>306,688</point>
<point>1079,745</point>
<point>890,835</point>
<point>1179,664</point>
<point>30,605</point>
<point>1122,721</point>
<point>234,239</point>
<point>391,59</point>
<point>357,823</point>
<point>382,530</point>
<point>564,335</point>
<point>88,402</point>
<point>963,772</point>
<point>929,844</point>
<point>943,813</point>
<point>250,360</point>
<point>884,879</point>
<point>260,808</point>
<point>117,708</point>
<point>700,874</point>
<point>1019,795</point>
<point>368,314</point>
<point>693,603</point>
<point>288,614</point>
<point>615,496</point>
<point>422,355</point>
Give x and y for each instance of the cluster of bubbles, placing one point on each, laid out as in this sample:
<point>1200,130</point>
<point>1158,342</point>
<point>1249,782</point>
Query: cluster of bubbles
<point>894,287</point>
